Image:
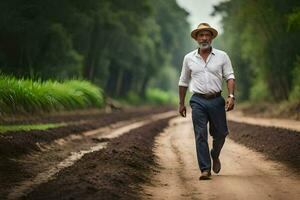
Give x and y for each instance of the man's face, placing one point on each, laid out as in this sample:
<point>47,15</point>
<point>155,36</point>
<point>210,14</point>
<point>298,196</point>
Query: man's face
<point>204,39</point>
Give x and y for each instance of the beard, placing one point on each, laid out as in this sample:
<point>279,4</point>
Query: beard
<point>204,45</point>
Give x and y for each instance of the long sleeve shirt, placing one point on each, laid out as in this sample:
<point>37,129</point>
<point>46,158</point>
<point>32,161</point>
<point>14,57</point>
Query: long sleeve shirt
<point>205,77</point>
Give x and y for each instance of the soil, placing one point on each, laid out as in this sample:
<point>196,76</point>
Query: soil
<point>115,172</point>
<point>272,110</point>
<point>275,143</point>
<point>13,144</point>
<point>140,165</point>
<point>18,146</point>
<point>238,116</point>
<point>245,174</point>
<point>74,116</point>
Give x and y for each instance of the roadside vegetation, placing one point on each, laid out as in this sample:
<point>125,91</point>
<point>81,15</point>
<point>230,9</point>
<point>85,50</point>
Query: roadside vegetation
<point>21,96</point>
<point>154,96</point>
<point>262,37</point>
<point>134,51</point>
<point>119,46</point>
<point>29,127</point>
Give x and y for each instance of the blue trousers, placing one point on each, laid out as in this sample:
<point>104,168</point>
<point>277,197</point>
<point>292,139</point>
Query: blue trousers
<point>212,112</point>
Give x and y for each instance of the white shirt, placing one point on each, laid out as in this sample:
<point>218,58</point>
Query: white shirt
<point>206,77</point>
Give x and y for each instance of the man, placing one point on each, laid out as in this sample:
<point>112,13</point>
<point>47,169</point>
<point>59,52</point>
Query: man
<point>203,70</point>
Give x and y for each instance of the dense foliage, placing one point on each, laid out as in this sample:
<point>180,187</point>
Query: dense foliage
<point>120,45</point>
<point>262,38</point>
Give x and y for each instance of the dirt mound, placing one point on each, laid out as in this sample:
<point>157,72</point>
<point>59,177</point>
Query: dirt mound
<point>112,173</point>
<point>276,143</point>
<point>18,143</point>
<point>286,110</point>
<point>73,116</point>
<point>15,145</point>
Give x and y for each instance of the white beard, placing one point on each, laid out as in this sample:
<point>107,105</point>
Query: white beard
<point>205,45</point>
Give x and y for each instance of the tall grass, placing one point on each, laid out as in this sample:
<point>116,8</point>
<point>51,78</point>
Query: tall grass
<point>29,96</point>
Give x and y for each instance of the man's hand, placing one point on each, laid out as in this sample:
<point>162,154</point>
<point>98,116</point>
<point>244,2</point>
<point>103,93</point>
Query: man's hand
<point>229,104</point>
<point>182,110</point>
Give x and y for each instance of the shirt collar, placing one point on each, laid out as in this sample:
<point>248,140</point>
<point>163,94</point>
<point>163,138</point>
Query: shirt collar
<point>213,52</point>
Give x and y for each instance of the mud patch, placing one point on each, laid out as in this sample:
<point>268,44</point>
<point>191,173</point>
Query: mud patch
<point>112,173</point>
<point>276,143</point>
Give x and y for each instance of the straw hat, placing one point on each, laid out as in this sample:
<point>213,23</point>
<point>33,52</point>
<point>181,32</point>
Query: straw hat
<point>202,27</point>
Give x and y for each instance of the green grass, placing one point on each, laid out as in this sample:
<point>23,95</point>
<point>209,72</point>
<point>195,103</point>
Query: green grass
<point>159,97</point>
<point>153,96</point>
<point>29,127</point>
<point>31,96</point>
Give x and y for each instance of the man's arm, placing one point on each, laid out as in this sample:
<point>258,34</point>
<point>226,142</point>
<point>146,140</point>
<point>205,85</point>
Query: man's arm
<point>230,100</point>
<point>228,74</point>
<point>182,93</point>
<point>183,84</point>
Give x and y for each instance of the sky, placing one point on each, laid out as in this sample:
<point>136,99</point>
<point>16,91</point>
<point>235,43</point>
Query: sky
<point>200,11</point>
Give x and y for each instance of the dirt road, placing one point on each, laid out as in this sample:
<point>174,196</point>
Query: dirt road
<point>245,174</point>
<point>142,155</point>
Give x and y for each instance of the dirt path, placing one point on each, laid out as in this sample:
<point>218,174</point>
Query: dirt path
<point>245,174</point>
<point>269,122</point>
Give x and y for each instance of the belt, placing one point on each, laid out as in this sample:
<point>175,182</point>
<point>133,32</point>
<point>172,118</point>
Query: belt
<point>209,95</point>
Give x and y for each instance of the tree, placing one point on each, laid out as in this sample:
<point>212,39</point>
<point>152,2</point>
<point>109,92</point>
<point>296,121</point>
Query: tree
<point>257,35</point>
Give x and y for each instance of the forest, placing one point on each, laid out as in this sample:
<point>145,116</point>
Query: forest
<point>122,47</point>
<point>89,103</point>
<point>134,49</point>
<point>262,38</point>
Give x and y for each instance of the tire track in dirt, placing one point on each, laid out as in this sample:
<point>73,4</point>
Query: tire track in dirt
<point>170,181</point>
<point>182,165</point>
<point>245,174</point>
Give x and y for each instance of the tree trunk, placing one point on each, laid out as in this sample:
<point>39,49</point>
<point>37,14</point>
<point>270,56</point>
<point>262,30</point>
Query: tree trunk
<point>127,83</point>
<point>144,86</point>
<point>93,52</point>
<point>119,82</point>
<point>112,80</point>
